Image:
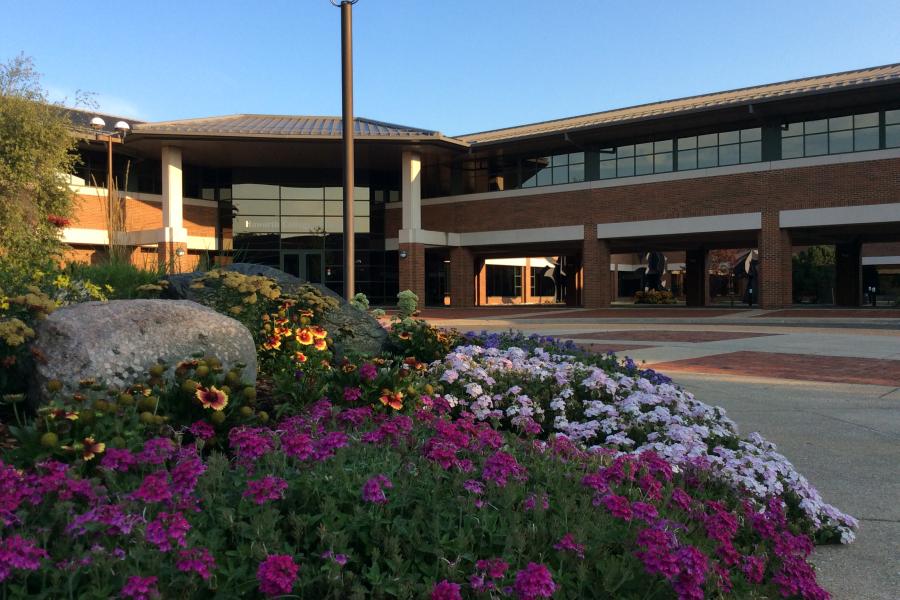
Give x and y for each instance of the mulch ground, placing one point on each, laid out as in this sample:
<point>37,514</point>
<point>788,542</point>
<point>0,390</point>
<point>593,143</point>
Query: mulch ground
<point>669,336</point>
<point>804,367</point>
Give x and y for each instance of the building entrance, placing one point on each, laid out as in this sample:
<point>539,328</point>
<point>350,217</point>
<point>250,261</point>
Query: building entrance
<point>304,264</point>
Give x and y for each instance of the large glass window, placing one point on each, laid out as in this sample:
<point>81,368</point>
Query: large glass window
<point>836,135</point>
<point>892,128</point>
<point>720,149</point>
<point>554,170</point>
<point>503,280</point>
<point>635,159</point>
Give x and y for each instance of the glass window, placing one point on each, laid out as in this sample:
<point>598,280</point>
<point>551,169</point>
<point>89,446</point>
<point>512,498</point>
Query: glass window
<point>662,163</point>
<point>815,145</point>
<point>642,149</point>
<point>892,116</point>
<point>865,139</point>
<point>751,135</point>
<point>256,207</point>
<point>624,151</point>
<point>576,157</point>
<point>560,175</point>
<point>729,137</point>
<point>687,159</point>
<point>559,159</point>
<point>530,182</point>
<point>687,142</point>
<point>302,224</point>
<point>302,193</point>
<point>710,139</point>
<point>866,120</point>
<point>607,169</point>
<point>544,177</point>
<point>839,123</point>
<point>643,165</point>
<point>819,126</point>
<point>625,167</point>
<point>253,224</point>
<point>751,152</point>
<point>892,136</point>
<point>662,146</point>
<point>729,155</point>
<point>792,147</point>
<point>792,129</point>
<point>255,190</point>
<point>302,207</point>
<point>840,141</point>
<point>707,157</point>
<point>576,173</point>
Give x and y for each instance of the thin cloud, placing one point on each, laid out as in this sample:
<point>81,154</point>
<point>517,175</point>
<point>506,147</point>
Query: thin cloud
<point>104,103</point>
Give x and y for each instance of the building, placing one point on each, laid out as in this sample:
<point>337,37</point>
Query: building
<point>568,210</point>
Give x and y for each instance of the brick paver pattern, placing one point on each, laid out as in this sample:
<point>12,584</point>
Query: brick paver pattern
<point>647,335</point>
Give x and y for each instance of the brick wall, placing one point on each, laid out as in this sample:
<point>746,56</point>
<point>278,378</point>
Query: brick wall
<point>412,270</point>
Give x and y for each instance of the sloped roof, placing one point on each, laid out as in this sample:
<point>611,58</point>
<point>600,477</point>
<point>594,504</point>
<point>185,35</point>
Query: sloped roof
<point>81,120</point>
<point>287,126</point>
<point>760,93</point>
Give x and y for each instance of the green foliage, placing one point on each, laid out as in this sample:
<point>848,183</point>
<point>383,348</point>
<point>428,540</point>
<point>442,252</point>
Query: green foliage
<point>36,153</point>
<point>360,301</point>
<point>407,301</point>
<point>415,337</point>
<point>123,278</point>
<point>813,274</point>
<point>654,297</point>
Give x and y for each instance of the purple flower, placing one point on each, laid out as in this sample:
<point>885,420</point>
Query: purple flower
<point>644,511</point>
<point>656,553</point>
<point>368,372</point>
<point>531,502</point>
<point>474,486</point>
<point>250,443</point>
<point>18,553</point>
<point>297,445</point>
<point>340,559</point>
<point>568,543</point>
<point>265,489</point>
<point>355,416</point>
<point>619,506</point>
<point>140,588</point>
<point>197,560</point>
<point>373,490</point>
<point>202,430</point>
<point>118,459</point>
<point>753,568</point>
<point>534,581</point>
<point>165,528</point>
<point>154,488</point>
<point>187,472</point>
<point>500,466</point>
<point>156,451</point>
<point>277,575</point>
<point>446,590</point>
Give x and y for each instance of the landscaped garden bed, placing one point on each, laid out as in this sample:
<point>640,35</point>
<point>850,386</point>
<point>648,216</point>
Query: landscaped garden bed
<point>445,466</point>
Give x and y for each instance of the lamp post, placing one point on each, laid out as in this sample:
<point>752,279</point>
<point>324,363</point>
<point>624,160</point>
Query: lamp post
<point>346,7</point>
<point>122,128</point>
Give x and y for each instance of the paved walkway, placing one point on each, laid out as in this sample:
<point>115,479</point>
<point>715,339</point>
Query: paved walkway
<point>823,384</point>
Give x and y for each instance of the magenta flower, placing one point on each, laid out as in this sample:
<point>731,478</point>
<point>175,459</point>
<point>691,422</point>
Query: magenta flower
<point>644,511</point>
<point>18,553</point>
<point>352,394</point>
<point>277,575</point>
<point>202,430</point>
<point>118,459</point>
<point>250,443</point>
<point>340,559</point>
<point>297,445</point>
<point>619,506</point>
<point>140,588</point>
<point>197,560</point>
<point>500,466</point>
<point>265,489</point>
<point>187,472</point>
<point>534,581</point>
<point>156,451</point>
<point>446,590</point>
<point>368,372</point>
<point>154,488</point>
<point>753,568</point>
<point>166,528</point>
<point>355,416</point>
<point>568,543</point>
<point>657,554</point>
<point>373,489</point>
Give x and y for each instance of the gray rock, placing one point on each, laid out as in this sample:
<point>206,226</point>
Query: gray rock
<point>116,342</point>
<point>354,330</point>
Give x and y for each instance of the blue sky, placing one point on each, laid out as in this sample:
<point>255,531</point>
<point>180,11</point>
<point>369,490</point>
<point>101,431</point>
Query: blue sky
<point>454,65</point>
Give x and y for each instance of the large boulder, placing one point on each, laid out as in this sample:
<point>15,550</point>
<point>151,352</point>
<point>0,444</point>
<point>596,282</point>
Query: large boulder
<point>353,329</point>
<point>116,342</point>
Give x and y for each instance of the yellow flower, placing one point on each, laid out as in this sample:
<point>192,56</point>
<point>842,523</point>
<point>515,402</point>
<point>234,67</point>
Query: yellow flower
<point>212,397</point>
<point>321,345</point>
<point>318,332</point>
<point>92,448</point>
<point>305,337</point>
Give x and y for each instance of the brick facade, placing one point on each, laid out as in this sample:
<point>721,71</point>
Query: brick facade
<point>412,270</point>
<point>462,277</point>
<point>596,289</point>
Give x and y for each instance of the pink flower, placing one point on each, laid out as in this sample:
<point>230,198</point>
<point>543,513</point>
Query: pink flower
<point>446,590</point>
<point>531,502</point>
<point>619,506</point>
<point>18,553</point>
<point>265,489</point>
<point>277,575</point>
<point>187,472</point>
<point>754,567</point>
<point>167,527</point>
<point>568,543</point>
<point>297,445</point>
<point>140,588</point>
<point>250,443</point>
<point>202,430</point>
<point>154,488</point>
<point>157,451</point>
<point>373,490</point>
<point>500,466</point>
<point>118,459</point>
<point>644,511</point>
<point>368,372</point>
<point>198,560</point>
<point>534,581</point>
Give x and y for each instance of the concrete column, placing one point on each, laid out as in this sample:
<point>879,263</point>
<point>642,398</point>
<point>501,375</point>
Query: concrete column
<point>526,282</point>
<point>411,190</point>
<point>412,269</point>
<point>775,268</point>
<point>695,277</point>
<point>462,277</point>
<point>595,257</point>
<point>172,244</point>
<point>847,274</point>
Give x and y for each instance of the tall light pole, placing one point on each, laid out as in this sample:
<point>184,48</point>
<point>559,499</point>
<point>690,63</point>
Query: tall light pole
<point>115,216</point>
<point>346,7</point>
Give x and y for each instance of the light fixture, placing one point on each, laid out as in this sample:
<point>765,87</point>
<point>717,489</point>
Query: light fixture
<point>179,252</point>
<point>122,127</point>
<point>403,254</point>
<point>97,123</point>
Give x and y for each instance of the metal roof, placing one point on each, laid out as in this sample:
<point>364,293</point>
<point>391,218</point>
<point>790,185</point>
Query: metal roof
<point>287,126</point>
<point>81,120</point>
<point>761,93</point>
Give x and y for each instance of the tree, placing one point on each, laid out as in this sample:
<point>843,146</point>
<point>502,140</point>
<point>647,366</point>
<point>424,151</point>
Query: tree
<point>37,152</point>
<point>813,275</point>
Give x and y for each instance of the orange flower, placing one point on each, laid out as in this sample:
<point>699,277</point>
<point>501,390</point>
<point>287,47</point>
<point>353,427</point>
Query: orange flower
<point>348,368</point>
<point>273,343</point>
<point>392,399</point>
<point>318,332</point>
<point>305,337</point>
<point>92,448</point>
<point>404,335</point>
<point>212,398</point>
<point>64,414</point>
<point>321,345</point>
<point>300,357</point>
<point>283,331</point>
<point>306,313</point>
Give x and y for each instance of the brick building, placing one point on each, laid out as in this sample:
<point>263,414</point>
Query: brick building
<point>583,210</point>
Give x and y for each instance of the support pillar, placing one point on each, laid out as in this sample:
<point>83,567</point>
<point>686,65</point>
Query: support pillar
<point>775,267</point>
<point>412,269</point>
<point>847,274</point>
<point>596,291</point>
<point>462,277</point>
<point>481,282</point>
<point>172,244</point>
<point>695,277</point>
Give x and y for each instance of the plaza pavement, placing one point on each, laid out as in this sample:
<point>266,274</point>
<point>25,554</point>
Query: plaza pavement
<point>824,385</point>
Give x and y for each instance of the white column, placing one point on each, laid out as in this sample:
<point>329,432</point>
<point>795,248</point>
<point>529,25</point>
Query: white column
<point>411,191</point>
<point>172,190</point>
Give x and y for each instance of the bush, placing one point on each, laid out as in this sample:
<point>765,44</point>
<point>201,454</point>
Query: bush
<point>119,280</point>
<point>654,297</point>
<point>407,301</point>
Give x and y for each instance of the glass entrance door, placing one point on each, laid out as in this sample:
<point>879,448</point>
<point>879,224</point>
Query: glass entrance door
<point>304,264</point>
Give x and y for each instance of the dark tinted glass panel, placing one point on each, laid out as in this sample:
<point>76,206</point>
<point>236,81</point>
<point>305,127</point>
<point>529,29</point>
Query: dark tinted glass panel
<point>729,137</point>
<point>865,139</point>
<point>710,139</point>
<point>792,147</point>
<point>254,224</point>
<point>641,149</point>
<point>302,224</point>
<point>256,207</point>
<point>625,167</point>
<point>819,126</point>
<point>792,129</point>
<point>751,135</point>
<point>866,120</point>
<point>607,169</point>
<point>662,146</point>
<point>687,159</point>
<point>751,152</point>
<point>687,142</point>
<point>662,163</point>
<point>623,151</point>
<point>892,136</point>
<point>840,141</point>
<point>816,144</point>
<point>839,123</point>
<point>643,165</point>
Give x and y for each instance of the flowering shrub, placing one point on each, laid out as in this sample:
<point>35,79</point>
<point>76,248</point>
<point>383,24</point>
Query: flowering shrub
<point>344,503</point>
<point>550,394</point>
<point>415,337</point>
<point>654,297</point>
